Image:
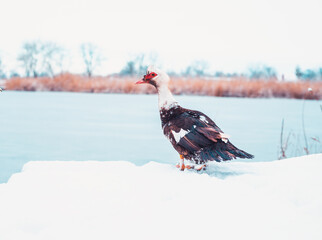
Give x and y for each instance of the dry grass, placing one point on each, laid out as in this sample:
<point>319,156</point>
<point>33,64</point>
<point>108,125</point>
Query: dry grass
<point>237,87</point>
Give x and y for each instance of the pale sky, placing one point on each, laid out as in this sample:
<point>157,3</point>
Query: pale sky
<point>231,35</point>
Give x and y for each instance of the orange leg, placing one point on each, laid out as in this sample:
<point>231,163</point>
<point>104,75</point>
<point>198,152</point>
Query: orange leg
<point>181,164</point>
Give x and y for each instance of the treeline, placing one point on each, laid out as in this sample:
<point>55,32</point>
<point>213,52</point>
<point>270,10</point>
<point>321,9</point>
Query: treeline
<point>47,59</point>
<point>308,74</point>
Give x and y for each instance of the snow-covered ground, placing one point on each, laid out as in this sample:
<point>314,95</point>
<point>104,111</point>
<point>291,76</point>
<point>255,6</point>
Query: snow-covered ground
<point>45,126</point>
<point>118,200</point>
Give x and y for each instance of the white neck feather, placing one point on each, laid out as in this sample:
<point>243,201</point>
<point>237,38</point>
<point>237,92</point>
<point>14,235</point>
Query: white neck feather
<point>166,99</point>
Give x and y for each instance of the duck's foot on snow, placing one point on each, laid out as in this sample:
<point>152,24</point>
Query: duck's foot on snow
<point>200,167</point>
<point>182,166</point>
<point>190,167</point>
<point>196,167</point>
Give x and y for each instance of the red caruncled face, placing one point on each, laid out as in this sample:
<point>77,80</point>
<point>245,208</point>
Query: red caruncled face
<point>147,78</point>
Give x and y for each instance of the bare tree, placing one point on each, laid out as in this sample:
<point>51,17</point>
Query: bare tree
<point>41,58</point>
<point>129,68</point>
<point>2,73</point>
<point>52,57</point>
<point>91,56</point>
<point>197,68</point>
<point>138,63</point>
<point>308,74</point>
<point>262,72</point>
<point>30,57</point>
<point>135,65</point>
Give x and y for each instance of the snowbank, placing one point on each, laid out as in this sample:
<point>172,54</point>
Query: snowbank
<point>118,200</point>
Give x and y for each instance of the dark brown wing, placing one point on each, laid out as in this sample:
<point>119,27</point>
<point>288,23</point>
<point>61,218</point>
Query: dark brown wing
<point>204,118</point>
<point>198,138</point>
<point>191,131</point>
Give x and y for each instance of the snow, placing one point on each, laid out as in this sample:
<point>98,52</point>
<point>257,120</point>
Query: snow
<point>118,200</point>
<point>178,135</point>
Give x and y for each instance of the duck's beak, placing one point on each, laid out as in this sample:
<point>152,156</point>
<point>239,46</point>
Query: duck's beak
<point>140,81</point>
<point>143,80</point>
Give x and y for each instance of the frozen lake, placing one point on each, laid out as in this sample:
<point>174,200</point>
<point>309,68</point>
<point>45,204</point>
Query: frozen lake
<point>47,126</point>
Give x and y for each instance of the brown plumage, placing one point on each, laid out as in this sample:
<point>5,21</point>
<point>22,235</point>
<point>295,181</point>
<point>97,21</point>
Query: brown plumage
<point>202,140</point>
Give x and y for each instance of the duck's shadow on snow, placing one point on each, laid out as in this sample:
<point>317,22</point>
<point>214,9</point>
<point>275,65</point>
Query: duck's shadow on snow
<point>225,170</point>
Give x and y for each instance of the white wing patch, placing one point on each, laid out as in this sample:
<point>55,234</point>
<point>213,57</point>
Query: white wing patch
<point>178,135</point>
<point>202,118</point>
<point>224,137</point>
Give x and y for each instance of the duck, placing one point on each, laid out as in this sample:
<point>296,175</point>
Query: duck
<point>193,134</point>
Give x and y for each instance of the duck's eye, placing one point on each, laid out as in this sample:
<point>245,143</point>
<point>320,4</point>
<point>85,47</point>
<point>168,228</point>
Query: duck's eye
<point>153,74</point>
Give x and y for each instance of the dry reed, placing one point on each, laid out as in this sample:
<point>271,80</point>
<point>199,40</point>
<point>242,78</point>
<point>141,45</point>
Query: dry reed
<point>235,87</point>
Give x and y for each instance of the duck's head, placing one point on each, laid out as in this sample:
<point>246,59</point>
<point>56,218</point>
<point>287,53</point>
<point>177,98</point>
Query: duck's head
<point>155,77</point>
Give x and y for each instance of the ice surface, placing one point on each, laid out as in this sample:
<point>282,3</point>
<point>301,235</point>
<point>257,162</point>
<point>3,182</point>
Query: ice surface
<point>118,200</point>
<point>45,126</point>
